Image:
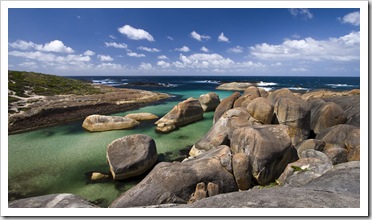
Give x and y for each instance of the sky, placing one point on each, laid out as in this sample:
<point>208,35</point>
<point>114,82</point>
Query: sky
<point>184,41</point>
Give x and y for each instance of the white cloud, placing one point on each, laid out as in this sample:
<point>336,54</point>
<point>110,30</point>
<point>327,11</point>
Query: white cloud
<point>163,64</point>
<point>199,37</point>
<point>145,66</point>
<point>351,18</point>
<point>105,58</point>
<point>237,49</point>
<point>170,38</point>
<point>133,54</point>
<point>203,60</point>
<point>89,53</point>
<point>345,48</point>
<point>152,50</point>
<point>29,65</point>
<point>296,36</point>
<point>107,66</point>
<point>303,12</point>
<point>116,45</point>
<point>112,37</point>
<point>223,38</point>
<point>204,49</point>
<point>53,46</point>
<point>162,57</point>
<point>183,49</point>
<point>135,34</point>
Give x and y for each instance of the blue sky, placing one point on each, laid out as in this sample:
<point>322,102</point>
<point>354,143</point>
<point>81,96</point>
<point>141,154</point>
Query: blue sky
<point>282,42</point>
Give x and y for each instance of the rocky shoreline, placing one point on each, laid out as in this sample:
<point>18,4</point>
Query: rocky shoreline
<point>264,149</point>
<point>43,111</point>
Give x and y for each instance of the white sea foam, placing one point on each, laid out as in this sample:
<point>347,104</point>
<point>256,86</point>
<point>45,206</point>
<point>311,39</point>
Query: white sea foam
<point>298,88</point>
<point>339,85</point>
<point>207,81</point>
<point>261,83</point>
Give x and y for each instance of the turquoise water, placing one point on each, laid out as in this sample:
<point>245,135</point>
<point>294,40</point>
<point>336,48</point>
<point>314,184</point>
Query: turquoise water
<point>59,159</point>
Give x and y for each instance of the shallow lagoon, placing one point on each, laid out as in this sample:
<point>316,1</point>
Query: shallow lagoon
<point>59,159</point>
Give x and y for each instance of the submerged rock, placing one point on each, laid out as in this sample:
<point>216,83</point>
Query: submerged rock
<point>131,156</point>
<point>175,182</point>
<point>183,113</point>
<point>107,123</point>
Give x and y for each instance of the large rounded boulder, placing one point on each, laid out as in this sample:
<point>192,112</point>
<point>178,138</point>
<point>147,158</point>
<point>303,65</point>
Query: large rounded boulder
<point>210,101</point>
<point>294,113</point>
<point>183,113</point>
<point>225,105</point>
<point>131,156</point>
<point>107,123</point>
<point>268,147</point>
<point>261,109</point>
<point>221,131</point>
<point>175,182</point>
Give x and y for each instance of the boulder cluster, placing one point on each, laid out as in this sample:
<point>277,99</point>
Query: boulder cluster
<point>281,148</point>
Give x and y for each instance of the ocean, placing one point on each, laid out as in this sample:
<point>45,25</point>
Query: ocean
<point>60,159</point>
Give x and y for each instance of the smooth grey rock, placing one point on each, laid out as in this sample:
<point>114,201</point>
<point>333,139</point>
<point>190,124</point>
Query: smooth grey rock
<point>52,201</point>
<point>225,105</point>
<point>261,109</point>
<point>278,94</point>
<point>210,101</point>
<point>325,115</point>
<point>310,144</point>
<point>351,106</point>
<point>242,171</point>
<point>131,156</point>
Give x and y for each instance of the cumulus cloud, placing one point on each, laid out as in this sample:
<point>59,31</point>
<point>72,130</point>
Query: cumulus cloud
<point>237,49</point>
<point>170,38</point>
<point>302,12</point>
<point>351,18</point>
<point>199,37</point>
<point>152,50</point>
<point>56,46</point>
<point>105,58</point>
<point>109,66</point>
<point>135,34</point>
<point>203,60</point>
<point>162,57</point>
<point>223,38</point>
<point>116,45</point>
<point>28,65</point>
<point>133,54</point>
<point>163,64</point>
<point>89,53</point>
<point>204,49</point>
<point>345,48</point>
<point>183,49</point>
<point>145,66</point>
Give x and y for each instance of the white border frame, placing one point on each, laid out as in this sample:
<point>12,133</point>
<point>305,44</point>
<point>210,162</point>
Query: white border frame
<point>362,211</point>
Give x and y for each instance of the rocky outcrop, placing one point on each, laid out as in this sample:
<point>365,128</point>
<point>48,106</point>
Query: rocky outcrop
<point>131,156</point>
<point>107,123</point>
<point>183,113</point>
<point>175,182</point>
<point>52,201</point>
<point>225,105</point>
<point>242,170</point>
<point>310,144</point>
<point>221,131</point>
<point>294,113</point>
<point>337,188</point>
<point>351,105</point>
<point>268,147</point>
<point>280,93</point>
<point>209,102</point>
<point>324,94</point>
<point>235,86</point>
<point>141,116</point>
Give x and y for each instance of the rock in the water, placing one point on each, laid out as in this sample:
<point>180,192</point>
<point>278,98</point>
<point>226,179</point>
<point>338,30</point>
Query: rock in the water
<point>325,115</point>
<point>107,123</point>
<point>210,101</point>
<point>312,165</point>
<point>131,156</point>
<point>175,182</point>
<point>225,105</point>
<point>261,109</point>
<point>98,176</point>
<point>242,170</point>
<point>294,113</point>
<point>222,130</point>
<point>183,113</point>
<point>268,147</point>
<point>142,116</point>
<point>235,86</point>
<point>52,201</point>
